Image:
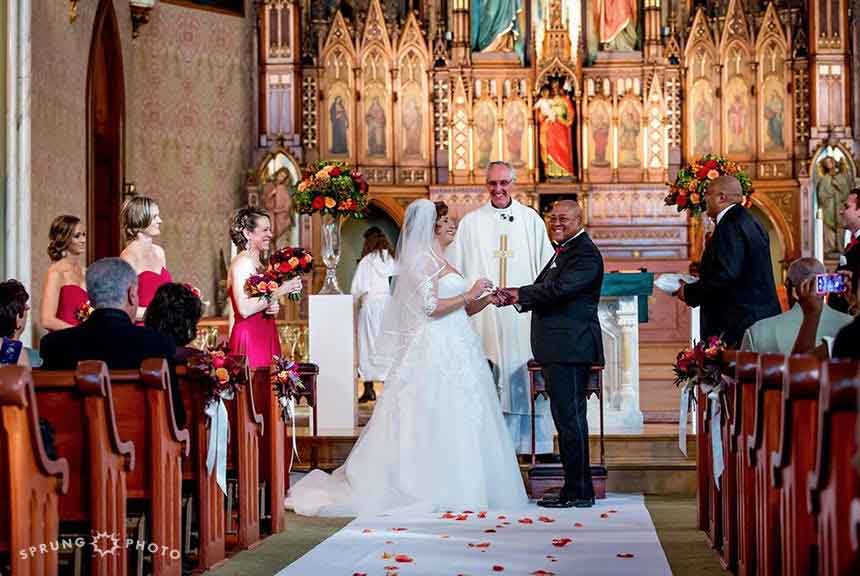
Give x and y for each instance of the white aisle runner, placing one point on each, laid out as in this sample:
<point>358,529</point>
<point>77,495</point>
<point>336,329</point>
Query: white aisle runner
<point>614,537</point>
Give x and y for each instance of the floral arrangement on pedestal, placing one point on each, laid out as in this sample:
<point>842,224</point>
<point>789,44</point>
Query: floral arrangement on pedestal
<point>688,190</point>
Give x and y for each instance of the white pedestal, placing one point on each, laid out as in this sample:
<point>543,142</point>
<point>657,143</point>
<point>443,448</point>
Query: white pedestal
<point>332,348</point>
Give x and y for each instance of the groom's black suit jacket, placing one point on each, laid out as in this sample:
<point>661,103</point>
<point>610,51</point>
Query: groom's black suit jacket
<point>563,301</point>
<point>735,287</point>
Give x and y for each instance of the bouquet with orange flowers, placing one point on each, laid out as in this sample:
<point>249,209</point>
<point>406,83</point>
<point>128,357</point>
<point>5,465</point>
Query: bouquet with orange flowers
<point>332,188</point>
<point>262,285</point>
<point>83,312</point>
<point>688,191</point>
<point>223,371</point>
<point>700,365</point>
<point>288,263</point>
<point>286,382</point>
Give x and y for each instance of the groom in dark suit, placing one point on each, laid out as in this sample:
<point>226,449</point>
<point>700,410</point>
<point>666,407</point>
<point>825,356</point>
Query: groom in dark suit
<point>735,288</point>
<point>566,340</point>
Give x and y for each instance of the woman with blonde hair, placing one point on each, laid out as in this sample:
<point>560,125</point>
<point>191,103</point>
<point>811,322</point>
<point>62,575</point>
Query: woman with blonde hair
<point>141,223</point>
<point>64,290</point>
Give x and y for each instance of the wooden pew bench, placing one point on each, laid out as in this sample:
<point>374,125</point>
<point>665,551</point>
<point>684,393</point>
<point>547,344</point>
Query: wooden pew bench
<point>30,482</point>
<point>272,453</point>
<point>79,406</point>
<point>742,427</point>
<point>728,509</point>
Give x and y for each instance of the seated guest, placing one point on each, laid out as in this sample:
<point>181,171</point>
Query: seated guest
<point>776,335</point>
<point>13,320</point>
<point>64,289</point>
<point>175,311</point>
<point>109,333</point>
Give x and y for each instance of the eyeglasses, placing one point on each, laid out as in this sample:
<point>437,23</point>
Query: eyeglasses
<point>502,183</point>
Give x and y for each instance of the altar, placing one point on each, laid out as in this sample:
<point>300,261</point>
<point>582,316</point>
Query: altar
<point>623,306</point>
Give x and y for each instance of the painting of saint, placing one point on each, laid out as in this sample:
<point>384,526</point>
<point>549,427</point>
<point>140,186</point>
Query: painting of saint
<point>738,120</point>
<point>599,134</point>
<point>496,26</point>
<point>375,118</point>
<point>515,125</point>
<point>339,127</point>
<point>555,116</point>
<point>628,139</point>
<point>703,110</point>
<point>485,127</point>
<point>412,125</point>
<point>774,109</point>
<point>617,24</point>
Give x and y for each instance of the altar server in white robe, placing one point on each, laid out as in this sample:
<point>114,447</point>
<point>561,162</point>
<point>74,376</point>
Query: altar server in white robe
<point>507,242</point>
<point>371,289</point>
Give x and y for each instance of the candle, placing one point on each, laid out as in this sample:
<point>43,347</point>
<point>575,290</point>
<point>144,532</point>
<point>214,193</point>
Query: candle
<point>818,238</point>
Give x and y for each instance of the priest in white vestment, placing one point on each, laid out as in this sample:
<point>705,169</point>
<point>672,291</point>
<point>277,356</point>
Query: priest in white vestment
<point>371,289</point>
<point>507,242</point>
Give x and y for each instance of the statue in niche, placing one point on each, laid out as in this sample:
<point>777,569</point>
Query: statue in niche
<point>339,127</point>
<point>278,201</point>
<point>832,186</point>
<point>375,118</point>
<point>617,24</point>
<point>496,26</point>
<point>555,116</point>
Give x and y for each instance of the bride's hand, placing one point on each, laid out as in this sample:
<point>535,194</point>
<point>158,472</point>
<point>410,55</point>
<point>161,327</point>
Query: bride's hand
<point>480,286</point>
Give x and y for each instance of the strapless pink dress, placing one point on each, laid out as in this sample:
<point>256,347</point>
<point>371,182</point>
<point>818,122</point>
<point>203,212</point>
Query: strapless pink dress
<point>255,336</point>
<point>147,284</point>
<point>71,298</point>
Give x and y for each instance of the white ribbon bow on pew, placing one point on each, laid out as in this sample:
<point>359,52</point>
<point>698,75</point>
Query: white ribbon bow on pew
<point>687,399</point>
<point>219,435</point>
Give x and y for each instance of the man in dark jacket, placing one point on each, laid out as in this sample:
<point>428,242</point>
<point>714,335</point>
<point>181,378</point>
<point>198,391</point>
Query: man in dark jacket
<point>566,340</point>
<point>735,287</point>
<point>849,218</point>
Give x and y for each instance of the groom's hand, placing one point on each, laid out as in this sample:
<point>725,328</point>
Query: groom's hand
<point>508,296</point>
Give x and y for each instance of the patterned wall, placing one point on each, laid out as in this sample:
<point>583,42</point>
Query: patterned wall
<point>190,124</point>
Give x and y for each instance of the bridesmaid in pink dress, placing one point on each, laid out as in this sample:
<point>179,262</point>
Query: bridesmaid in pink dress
<point>254,333</point>
<point>64,289</point>
<point>141,222</point>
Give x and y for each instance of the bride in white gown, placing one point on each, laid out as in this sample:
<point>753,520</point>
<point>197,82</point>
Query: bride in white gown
<point>437,439</point>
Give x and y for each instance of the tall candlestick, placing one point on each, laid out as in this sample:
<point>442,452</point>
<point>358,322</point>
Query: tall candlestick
<point>818,238</point>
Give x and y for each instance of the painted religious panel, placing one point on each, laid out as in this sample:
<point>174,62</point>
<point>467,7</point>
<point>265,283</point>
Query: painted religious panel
<point>412,121</point>
<point>555,117</point>
<point>338,123</point>
<point>376,125</point>
<point>613,26</point>
<point>413,133</point>
<point>484,144</point>
<point>773,112</point>
<point>629,134</point>
<point>738,120</point>
<point>701,122</point>
<point>600,128</point>
<point>515,134</point>
<point>336,111</point>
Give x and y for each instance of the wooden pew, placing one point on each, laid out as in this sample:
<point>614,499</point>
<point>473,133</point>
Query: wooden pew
<point>703,465</point>
<point>715,513</point>
<point>760,444</point>
<point>834,481</point>
<point>728,481</point>
<point>743,426</point>
<point>793,461</point>
<point>273,449</point>
<point>30,483</point>
<point>144,411</point>
<point>246,428</point>
<point>79,405</point>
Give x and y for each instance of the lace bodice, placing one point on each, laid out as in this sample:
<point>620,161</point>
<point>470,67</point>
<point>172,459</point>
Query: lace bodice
<point>448,286</point>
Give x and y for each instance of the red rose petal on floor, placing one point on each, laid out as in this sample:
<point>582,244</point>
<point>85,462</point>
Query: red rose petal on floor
<point>400,529</point>
<point>604,515</point>
<point>577,525</point>
<point>550,557</point>
<point>625,555</point>
<point>392,567</point>
<point>389,542</point>
<point>500,526</point>
<point>613,511</point>
<point>542,573</point>
<point>461,517</point>
<point>526,521</point>
<point>482,514</point>
<point>561,542</point>
<point>359,574</point>
<point>506,523</point>
<point>387,555</point>
<point>498,568</point>
<point>467,512</point>
<point>403,559</point>
<point>479,545</point>
<point>501,517</point>
<point>444,536</point>
<point>448,516</point>
<point>366,531</point>
<point>490,531</point>
<point>546,519</point>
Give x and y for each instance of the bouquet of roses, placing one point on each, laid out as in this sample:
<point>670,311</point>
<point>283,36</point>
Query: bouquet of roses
<point>262,285</point>
<point>224,372</point>
<point>700,365</point>
<point>332,188</point>
<point>286,382</point>
<point>288,263</point>
<point>83,312</point>
<point>688,190</point>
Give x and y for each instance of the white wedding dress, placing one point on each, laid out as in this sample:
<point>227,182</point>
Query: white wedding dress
<point>437,439</point>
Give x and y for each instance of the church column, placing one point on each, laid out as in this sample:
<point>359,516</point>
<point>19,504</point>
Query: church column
<point>461,33</point>
<point>653,47</point>
<point>17,200</point>
<point>628,320</point>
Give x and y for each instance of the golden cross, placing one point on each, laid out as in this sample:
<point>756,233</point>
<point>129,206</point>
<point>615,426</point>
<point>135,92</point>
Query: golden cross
<point>503,254</point>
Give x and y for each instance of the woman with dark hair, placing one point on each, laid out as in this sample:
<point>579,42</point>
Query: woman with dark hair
<point>141,223</point>
<point>13,320</point>
<point>65,288</point>
<point>370,288</point>
<point>174,311</point>
<point>254,333</point>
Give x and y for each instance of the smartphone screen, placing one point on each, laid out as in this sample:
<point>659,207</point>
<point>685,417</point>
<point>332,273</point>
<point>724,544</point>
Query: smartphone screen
<point>10,350</point>
<point>830,283</point>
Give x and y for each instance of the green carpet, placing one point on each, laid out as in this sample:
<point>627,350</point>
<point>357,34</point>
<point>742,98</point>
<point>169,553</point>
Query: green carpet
<point>674,518</point>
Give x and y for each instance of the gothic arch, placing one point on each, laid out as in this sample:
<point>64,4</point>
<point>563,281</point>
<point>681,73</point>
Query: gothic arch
<point>374,106</point>
<point>774,107</point>
<point>411,119</point>
<point>785,232</point>
<point>701,131</point>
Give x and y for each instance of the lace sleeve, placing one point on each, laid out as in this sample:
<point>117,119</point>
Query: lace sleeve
<point>428,290</point>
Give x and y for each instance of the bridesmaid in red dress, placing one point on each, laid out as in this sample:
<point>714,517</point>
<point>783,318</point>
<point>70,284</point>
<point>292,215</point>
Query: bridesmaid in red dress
<point>254,333</point>
<point>141,221</point>
<point>65,286</point>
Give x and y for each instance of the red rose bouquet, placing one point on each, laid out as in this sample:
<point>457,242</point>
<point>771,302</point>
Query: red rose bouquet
<point>262,286</point>
<point>700,365</point>
<point>286,382</point>
<point>83,312</point>
<point>688,191</point>
<point>288,263</point>
<point>332,188</point>
<point>224,371</point>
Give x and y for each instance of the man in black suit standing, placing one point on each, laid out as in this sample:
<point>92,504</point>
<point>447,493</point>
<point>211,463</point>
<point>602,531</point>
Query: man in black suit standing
<point>849,216</point>
<point>735,287</point>
<point>566,340</point>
